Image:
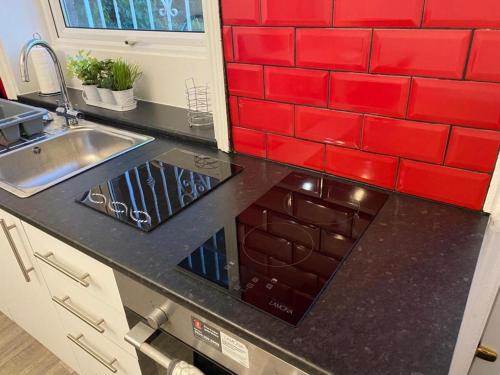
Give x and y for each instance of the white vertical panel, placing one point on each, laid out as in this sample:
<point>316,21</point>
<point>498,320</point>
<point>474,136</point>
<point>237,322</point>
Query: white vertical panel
<point>492,203</point>
<point>483,291</point>
<point>216,62</point>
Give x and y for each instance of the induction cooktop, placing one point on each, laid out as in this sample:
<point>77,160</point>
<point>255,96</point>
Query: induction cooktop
<point>280,253</point>
<point>151,193</point>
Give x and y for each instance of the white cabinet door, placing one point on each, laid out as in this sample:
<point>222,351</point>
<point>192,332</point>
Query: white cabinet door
<point>24,293</point>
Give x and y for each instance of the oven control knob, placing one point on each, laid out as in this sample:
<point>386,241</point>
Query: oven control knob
<point>156,318</point>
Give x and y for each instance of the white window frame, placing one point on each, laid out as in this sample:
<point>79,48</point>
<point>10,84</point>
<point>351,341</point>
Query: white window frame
<point>191,44</point>
<point>196,45</point>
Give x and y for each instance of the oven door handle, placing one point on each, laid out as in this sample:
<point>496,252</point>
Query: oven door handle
<point>138,337</point>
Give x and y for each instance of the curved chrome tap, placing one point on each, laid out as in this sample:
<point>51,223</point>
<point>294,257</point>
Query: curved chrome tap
<point>66,109</point>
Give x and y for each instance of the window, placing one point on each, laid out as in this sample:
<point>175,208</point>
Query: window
<point>142,15</point>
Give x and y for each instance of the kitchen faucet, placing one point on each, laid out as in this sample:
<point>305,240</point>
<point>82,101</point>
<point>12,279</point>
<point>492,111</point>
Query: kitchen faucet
<point>66,109</point>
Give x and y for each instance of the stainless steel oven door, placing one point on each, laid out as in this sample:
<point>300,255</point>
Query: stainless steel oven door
<point>162,354</point>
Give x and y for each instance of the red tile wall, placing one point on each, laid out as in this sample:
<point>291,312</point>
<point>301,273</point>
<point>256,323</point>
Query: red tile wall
<point>404,95</point>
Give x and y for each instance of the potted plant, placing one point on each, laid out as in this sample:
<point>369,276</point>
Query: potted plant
<point>105,81</point>
<point>85,68</point>
<point>124,76</point>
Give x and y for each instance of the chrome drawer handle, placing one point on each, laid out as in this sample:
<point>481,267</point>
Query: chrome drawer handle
<point>79,279</point>
<point>64,302</point>
<point>99,358</point>
<point>6,230</point>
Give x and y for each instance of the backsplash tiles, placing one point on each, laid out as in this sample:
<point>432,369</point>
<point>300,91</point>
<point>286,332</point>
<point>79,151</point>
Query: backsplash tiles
<point>404,95</point>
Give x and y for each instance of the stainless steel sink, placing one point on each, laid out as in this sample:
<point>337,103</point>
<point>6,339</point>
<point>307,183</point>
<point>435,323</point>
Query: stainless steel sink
<point>40,165</point>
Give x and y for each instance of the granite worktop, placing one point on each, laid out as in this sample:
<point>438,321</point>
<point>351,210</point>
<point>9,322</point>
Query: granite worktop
<point>155,118</point>
<point>394,307</point>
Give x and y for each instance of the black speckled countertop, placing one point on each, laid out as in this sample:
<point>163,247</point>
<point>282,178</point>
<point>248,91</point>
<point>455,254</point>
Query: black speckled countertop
<point>394,307</point>
<point>148,116</point>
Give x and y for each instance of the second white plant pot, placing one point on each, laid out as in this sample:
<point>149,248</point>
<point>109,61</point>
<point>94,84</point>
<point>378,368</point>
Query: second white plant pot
<point>91,93</point>
<point>125,97</point>
<point>106,96</point>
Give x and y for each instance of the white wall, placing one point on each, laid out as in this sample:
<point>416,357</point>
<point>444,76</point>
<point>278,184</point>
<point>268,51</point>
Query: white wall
<point>19,20</point>
<point>163,78</point>
<point>164,73</point>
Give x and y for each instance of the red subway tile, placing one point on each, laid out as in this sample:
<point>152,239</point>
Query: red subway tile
<point>462,13</point>
<point>297,12</point>
<point>245,80</point>
<point>240,12</point>
<point>338,49</point>
<point>295,151</point>
<point>299,86</point>
<point>249,141</point>
<point>430,53</point>
<point>227,38</point>
<point>264,45</point>
<point>456,102</point>
<point>391,13</point>
<point>451,185</point>
<point>409,139</point>
<point>266,116</point>
<point>233,110</point>
<point>385,95</point>
<point>323,125</point>
<point>473,149</point>
<point>373,169</point>
<point>484,60</point>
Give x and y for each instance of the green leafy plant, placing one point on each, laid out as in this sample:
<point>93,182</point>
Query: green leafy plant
<point>85,67</point>
<point>105,76</point>
<point>124,75</point>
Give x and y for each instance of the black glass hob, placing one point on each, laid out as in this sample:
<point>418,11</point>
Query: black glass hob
<point>151,193</point>
<point>280,253</point>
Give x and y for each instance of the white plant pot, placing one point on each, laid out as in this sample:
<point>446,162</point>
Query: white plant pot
<point>106,96</point>
<point>90,92</point>
<point>125,97</point>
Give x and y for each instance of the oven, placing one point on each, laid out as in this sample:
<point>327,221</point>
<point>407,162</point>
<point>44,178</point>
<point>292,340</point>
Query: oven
<point>169,338</point>
<point>160,353</point>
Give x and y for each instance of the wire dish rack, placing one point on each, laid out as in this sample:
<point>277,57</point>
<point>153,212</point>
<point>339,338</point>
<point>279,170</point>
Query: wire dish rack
<point>27,140</point>
<point>199,105</point>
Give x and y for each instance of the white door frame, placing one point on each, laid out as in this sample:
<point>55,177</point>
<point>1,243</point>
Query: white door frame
<point>492,203</point>
<point>485,285</point>
<point>484,289</point>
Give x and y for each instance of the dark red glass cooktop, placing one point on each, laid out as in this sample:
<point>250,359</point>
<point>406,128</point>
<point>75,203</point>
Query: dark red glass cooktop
<point>279,253</point>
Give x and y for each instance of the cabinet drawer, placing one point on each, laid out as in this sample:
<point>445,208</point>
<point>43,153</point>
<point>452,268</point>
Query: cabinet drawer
<point>106,320</point>
<point>64,265</point>
<point>93,350</point>
<point>109,321</point>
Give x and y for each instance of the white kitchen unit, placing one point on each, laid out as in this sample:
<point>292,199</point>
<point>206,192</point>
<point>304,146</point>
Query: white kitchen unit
<point>24,294</point>
<point>66,300</point>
